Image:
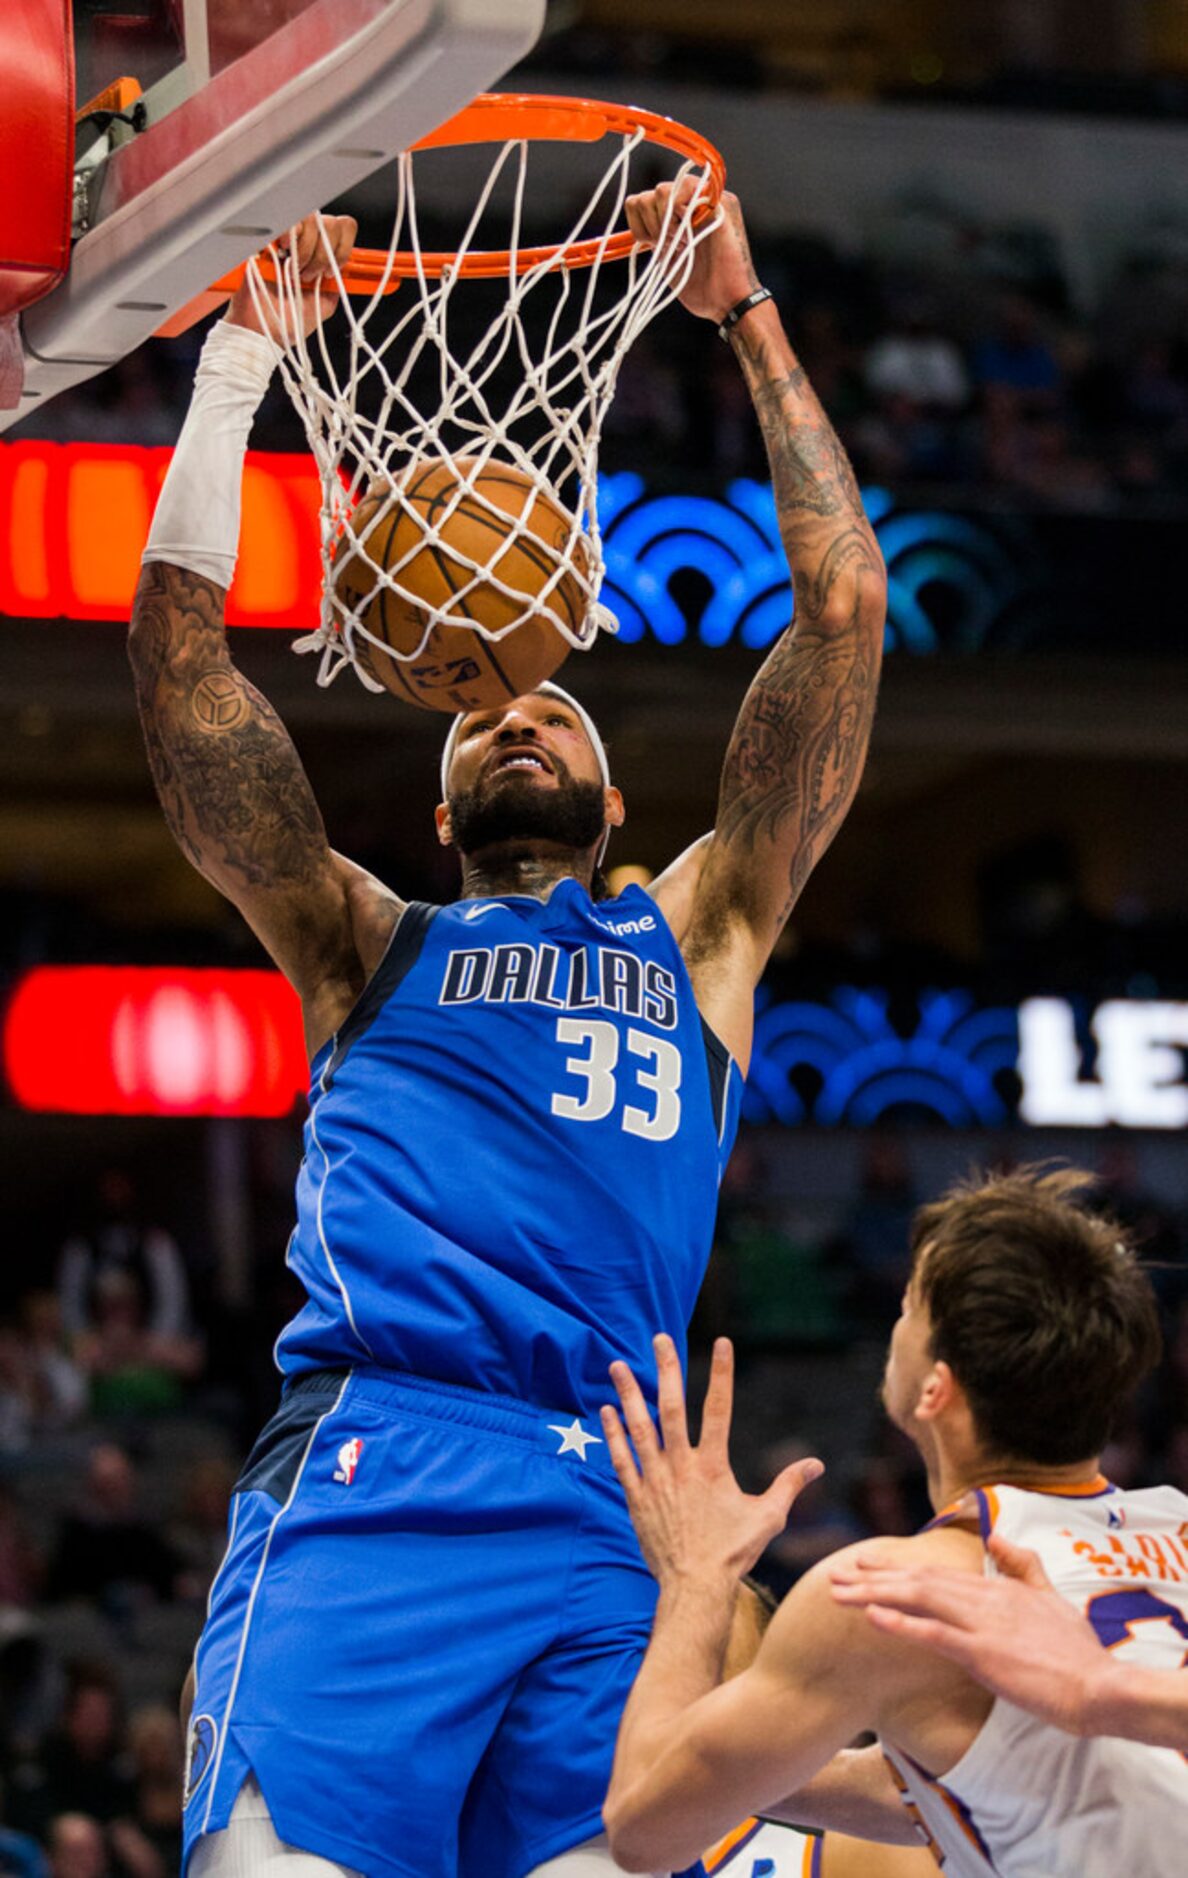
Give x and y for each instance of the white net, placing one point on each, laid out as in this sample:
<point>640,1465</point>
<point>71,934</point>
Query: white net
<point>406,385</point>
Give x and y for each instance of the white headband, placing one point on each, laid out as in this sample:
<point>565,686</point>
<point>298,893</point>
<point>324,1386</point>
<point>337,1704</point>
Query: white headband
<point>550,691</point>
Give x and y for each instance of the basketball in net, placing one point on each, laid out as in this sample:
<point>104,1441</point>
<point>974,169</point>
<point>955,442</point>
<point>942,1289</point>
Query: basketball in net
<point>457,545</point>
<point>453,579</point>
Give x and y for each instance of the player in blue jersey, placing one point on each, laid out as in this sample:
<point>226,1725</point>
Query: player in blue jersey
<point>432,1604</point>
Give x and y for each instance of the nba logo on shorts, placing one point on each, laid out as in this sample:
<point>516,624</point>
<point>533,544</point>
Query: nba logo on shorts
<point>348,1460</point>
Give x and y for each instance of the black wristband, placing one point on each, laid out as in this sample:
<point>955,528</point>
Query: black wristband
<point>740,311</point>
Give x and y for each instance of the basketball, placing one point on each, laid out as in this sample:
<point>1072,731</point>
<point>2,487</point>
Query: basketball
<point>458,669</point>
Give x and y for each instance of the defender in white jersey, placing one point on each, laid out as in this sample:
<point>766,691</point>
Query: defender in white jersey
<point>1023,1641</point>
<point>1026,1325</point>
<point>1030,1798</point>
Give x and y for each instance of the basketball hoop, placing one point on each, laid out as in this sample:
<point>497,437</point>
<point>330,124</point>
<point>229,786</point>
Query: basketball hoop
<point>388,396</point>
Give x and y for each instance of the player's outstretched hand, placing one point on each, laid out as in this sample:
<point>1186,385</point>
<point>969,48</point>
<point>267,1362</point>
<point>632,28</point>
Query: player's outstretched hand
<point>722,273</point>
<point>312,243</point>
<point>692,1518</point>
<point>1014,1633</point>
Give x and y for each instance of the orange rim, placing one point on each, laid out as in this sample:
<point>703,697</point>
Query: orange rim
<point>512,116</point>
<point>507,117</point>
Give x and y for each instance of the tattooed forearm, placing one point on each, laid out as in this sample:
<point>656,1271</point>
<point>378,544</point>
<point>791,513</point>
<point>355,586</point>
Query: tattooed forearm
<point>829,542</point>
<point>230,782</point>
<point>798,748</point>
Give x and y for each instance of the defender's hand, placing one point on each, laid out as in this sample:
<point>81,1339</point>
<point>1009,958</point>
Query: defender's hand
<point>692,1518</point>
<point>722,272</point>
<point>313,251</point>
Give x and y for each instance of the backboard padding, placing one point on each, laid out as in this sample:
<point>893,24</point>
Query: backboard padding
<point>335,92</point>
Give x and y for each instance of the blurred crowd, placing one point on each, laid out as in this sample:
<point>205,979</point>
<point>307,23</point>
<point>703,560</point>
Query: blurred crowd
<point>117,1460</point>
<point>120,1439</point>
<point>951,355</point>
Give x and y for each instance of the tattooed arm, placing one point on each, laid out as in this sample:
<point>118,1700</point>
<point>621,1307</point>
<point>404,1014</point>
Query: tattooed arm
<point>240,805</point>
<point>799,745</point>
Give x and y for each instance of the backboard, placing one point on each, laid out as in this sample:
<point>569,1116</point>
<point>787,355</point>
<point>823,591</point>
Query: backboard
<point>253,113</point>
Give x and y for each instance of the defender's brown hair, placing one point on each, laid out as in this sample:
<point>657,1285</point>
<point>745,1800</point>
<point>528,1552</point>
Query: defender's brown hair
<point>1039,1307</point>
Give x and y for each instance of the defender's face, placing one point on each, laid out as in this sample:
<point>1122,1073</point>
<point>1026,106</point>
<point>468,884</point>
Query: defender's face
<point>536,738</point>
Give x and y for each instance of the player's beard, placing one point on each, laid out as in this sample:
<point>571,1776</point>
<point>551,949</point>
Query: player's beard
<point>503,814</point>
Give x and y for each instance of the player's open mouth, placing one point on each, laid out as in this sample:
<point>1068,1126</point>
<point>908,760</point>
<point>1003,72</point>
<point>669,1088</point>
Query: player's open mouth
<point>529,761</point>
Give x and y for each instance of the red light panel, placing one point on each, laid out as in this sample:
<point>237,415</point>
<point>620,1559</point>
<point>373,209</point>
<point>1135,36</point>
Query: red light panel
<point>74,518</point>
<point>131,1040</point>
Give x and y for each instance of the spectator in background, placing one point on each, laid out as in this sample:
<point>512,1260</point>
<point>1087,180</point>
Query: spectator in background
<point>649,404</point>
<point>16,1414</point>
<point>30,1686</point>
<point>120,1240</point>
<point>133,1370</point>
<point>59,1388</point>
<point>20,1854</point>
<point>81,1767</point>
<point>1014,366</point>
<point>919,387</point>
<point>1155,398</point>
<point>914,360</point>
<point>1167,1420</point>
<point>105,1549</point>
<point>157,1751</point>
<point>41,1388</point>
<point>824,1522</point>
<point>81,1848</point>
<point>882,1496</point>
<point>20,1562</point>
<point>1154,1228</point>
<point>830,358</point>
<point>199,1535</point>
<point>876,1233</point>
<point>77,1847</point>
<point>1043,457</point>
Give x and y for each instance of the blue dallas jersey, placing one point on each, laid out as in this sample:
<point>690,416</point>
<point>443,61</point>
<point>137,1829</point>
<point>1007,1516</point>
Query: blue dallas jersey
<point>513,1152</point>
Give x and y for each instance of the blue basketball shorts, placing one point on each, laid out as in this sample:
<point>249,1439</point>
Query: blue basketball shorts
<point>420,1641</point>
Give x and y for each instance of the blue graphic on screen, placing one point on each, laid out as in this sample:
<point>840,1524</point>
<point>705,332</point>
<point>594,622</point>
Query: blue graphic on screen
<point>952,581</point>
<point>864,1067</point>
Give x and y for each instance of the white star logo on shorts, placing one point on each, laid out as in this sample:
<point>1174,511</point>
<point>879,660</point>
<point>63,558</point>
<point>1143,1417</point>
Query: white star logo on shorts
<point>574,1439</point>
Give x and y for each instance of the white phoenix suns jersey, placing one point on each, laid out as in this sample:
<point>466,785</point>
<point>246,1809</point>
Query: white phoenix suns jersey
<point>759,1849</point>
<point>1027,1800</point>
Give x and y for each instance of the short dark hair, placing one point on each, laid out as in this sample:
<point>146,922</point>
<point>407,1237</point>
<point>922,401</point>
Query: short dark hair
<point>1039,1306</point>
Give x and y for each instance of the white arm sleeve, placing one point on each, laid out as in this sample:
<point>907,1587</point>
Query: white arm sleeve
<point>196,524</point>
